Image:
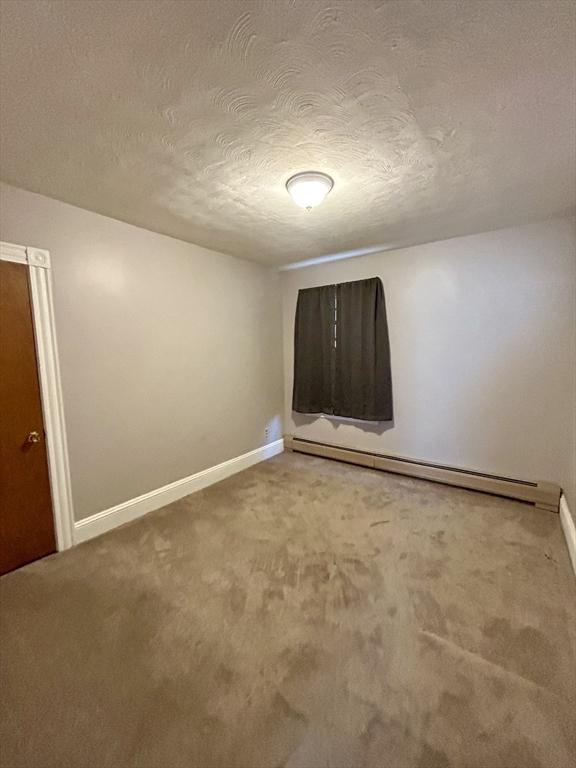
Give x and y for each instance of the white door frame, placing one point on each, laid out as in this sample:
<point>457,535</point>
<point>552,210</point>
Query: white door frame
<point>39,272</point>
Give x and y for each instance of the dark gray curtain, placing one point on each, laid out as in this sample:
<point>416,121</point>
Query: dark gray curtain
<point>314,351</point>
<point>363,384</point>
<point>342,352</point>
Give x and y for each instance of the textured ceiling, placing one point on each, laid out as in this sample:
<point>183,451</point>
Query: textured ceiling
<point>434,118</point>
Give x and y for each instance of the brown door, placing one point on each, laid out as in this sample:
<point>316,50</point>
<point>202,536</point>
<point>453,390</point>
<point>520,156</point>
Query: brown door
<point>26,521</point>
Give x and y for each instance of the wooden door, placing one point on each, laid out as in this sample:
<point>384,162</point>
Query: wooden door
<point>26,519</point>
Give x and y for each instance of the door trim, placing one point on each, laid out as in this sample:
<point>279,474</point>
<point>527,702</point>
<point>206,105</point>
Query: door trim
<point>39,271</point>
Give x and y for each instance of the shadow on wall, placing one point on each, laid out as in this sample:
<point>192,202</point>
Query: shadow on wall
<point>372,427</point>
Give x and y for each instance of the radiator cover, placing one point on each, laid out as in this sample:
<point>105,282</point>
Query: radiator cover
<point>542,494</point>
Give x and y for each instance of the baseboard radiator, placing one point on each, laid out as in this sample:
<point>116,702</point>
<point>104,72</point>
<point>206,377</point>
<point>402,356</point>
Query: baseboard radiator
<point>543,495</point>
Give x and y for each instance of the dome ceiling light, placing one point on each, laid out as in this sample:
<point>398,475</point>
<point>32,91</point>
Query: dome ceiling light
<point>309,189</point>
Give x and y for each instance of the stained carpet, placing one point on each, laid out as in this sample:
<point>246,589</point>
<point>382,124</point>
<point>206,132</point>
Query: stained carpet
<point>304,614</point>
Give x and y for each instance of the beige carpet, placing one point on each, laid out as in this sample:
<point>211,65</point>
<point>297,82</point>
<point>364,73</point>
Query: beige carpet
<point>305,614</point>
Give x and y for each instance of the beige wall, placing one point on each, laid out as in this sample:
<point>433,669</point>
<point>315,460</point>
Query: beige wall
<point>483,345</point>
<point>170,353</point>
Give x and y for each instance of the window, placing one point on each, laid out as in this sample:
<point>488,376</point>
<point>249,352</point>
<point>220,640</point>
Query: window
<point>342,352</point>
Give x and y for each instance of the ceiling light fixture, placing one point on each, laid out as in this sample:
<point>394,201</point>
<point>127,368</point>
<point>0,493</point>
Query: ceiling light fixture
<point>309,189</point>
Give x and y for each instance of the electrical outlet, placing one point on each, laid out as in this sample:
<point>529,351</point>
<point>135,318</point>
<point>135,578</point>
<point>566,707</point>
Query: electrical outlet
<point>267,434</point>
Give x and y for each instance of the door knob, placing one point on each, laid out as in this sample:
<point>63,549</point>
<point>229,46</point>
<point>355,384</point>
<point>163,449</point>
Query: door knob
<point>33,437</point>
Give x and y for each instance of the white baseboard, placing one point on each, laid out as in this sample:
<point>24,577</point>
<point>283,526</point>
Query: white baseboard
<point>567,522</point>
<point>134,508</point>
